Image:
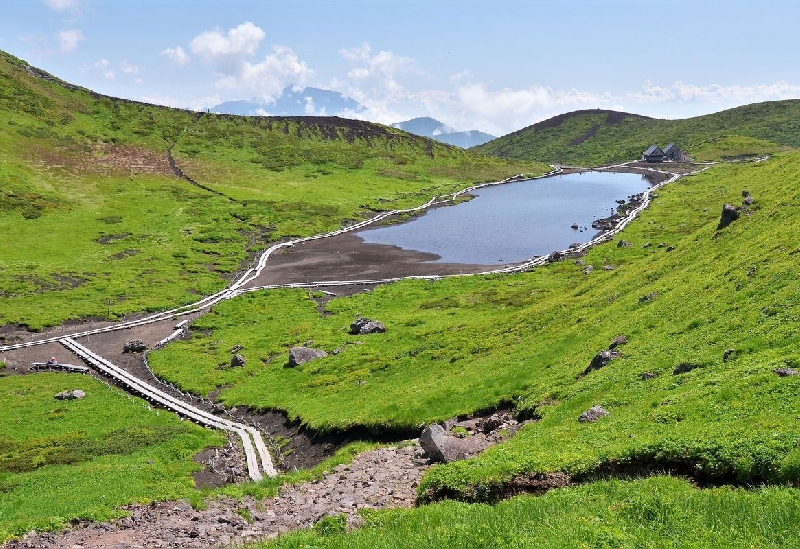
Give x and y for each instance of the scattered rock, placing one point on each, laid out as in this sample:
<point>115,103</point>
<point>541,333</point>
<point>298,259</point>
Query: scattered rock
<point>649,375</point>
<point>683,367</point>
<point>236,348</point>
<point>600,360</point>
<point>727,354</point>
<point>70,395</point>
<point>363,326</point>
<point>135,346</point>
<point>623,244</point>
<point>593,414</point>
<point>441,447</point>
<point>618,341</point>
<point>588,269</point>
<point>670,248</point>
<point>730,213</point>
<point>554,257</point>
<point>301,355</point>
<point>745,193</point>
<point>608,267</point>
<point>238,360</point>
<point>492,422</point>
<point>748,201</point>
<point>580,262</point>
<point>646,245</point>
<point>648,297</point>
<point>786,372</point>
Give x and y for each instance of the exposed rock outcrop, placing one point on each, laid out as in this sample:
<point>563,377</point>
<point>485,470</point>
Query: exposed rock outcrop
<point>135,346</point>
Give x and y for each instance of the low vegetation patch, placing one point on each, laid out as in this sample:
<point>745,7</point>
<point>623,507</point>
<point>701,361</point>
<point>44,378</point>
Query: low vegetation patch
<point>81,459</point>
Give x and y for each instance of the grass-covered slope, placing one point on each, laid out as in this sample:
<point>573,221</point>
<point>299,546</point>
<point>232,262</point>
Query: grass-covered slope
<point>683,293</point>
<point>595,137</point>
<point>95,222</point>
<point>81,459</point>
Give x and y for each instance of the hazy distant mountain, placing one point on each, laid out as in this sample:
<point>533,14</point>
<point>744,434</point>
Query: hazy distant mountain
<point>307,101</point>
<point>430,127</point>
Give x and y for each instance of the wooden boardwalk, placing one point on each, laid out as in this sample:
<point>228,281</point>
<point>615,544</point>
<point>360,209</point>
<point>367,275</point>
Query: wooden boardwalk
<point>258,458</point>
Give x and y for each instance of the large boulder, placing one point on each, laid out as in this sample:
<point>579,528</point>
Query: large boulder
<point>74,394</point>
<point>363,326</point>
<point>301,355</point>
<point>238,360</point>
<point>441,447</point>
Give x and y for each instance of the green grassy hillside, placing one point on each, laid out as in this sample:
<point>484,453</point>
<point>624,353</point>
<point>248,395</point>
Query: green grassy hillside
<point>683,294</point>
<point>96,223</point>
<point>592,138</point>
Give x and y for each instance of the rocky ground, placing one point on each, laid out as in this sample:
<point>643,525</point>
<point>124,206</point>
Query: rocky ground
<point>378,479</point>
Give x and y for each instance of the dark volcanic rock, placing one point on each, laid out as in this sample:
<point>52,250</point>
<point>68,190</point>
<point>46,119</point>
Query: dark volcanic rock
<point>238,360</point>
<point>618,341</point>
<point>301,355</point>
<point>683,367</point>
<point>135,346</point>
<point>600,360</point>
<point>730,213</point>
<point>363,326</point>
<point>593,414</point>
<point>649,375</point>
<point>623,244</point>
<point>785,372</point>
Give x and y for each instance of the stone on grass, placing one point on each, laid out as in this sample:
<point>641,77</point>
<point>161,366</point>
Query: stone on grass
<point>600,360</point>
<point>683,367</point>
<point>649,375</point>
<point>301,355</point>
<point>70,395</point>
<point>441,447</point>
<point>785,372</point>
<point>363,326</point>
<point>238,360</point>
<point>593,414</point>
<point>730,213</point>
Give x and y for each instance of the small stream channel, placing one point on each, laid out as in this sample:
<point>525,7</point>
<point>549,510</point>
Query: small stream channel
<point>516,221</point>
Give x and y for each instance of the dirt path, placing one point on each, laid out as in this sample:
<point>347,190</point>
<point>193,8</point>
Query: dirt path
<point>379,479</point>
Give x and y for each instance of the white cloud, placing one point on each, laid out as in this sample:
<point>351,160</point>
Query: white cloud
<point>714,93</point>
<point>102,67</point>
<point>176,55</point>
<point>68,40</point>
<point>128,68</point>
<point>61,5</point>
<point>194,104</point>
<point>230,52</point>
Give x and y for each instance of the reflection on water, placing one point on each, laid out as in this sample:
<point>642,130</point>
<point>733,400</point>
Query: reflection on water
<point>516,221</point>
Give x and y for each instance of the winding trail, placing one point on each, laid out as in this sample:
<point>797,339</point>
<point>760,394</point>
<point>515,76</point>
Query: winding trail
<point>258,458</point>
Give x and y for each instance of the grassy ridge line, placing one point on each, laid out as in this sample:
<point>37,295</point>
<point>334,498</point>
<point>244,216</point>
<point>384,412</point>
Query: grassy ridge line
<point>91,207</point>
<point>602,137</point>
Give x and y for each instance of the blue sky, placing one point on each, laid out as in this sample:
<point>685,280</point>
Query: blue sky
<point>495,66</point>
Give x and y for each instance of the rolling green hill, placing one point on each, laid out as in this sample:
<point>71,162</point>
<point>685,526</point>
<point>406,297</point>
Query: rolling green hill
<point>96,223</point>
<point>597,137</point>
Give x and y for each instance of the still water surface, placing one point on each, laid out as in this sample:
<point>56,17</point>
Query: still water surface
<point>516,221</point>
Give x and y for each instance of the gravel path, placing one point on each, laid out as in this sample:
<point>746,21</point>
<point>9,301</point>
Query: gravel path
<point>379,479</point>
